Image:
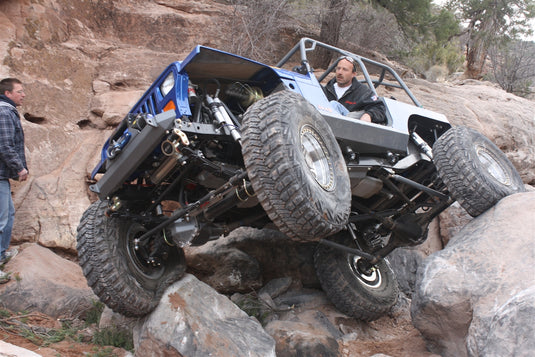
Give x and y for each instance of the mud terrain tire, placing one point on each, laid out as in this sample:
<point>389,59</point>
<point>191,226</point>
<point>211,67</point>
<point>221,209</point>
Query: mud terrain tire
<point>476,172</point>
<point>363,295</point>
<point>296,167</point>
<point>106,255</point>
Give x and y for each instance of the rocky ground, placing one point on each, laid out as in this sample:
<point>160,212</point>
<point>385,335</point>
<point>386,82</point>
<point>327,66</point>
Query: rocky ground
<point>473,289</point>
<point>401,339</point>
<point>391,335</point>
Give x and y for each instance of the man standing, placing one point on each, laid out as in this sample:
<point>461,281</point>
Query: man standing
<point>352,96</point>
<point>12,161</point>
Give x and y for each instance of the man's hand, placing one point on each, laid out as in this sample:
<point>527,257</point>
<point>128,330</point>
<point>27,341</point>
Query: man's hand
<point>23,175</point>
<point>366,117</point>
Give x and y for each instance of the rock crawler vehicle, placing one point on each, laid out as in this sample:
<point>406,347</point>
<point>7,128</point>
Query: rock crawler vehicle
<point>219,141</point>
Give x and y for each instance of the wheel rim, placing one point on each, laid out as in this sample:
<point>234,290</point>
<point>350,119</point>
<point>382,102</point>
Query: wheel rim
<point>493,166</point>
<point>369,277</point>
<point>316,158</point>
<point>138,255</point>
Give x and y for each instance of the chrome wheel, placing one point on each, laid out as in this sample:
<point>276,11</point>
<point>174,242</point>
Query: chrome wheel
<point>317,158</point>
<point>493,166</point>
<point>369,276</point>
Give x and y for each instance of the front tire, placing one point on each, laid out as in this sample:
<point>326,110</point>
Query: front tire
<point>353,288</point>
<point>476,172</point>
<point>296,167</point>
<point>116,269</point>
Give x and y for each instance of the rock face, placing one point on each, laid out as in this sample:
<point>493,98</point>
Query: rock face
<point>194,320</point>
<point>83,66</point>
<point>476,297</point>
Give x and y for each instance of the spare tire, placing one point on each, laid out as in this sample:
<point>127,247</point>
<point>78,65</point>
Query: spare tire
<point>296,167</point>
<point>476,172</point>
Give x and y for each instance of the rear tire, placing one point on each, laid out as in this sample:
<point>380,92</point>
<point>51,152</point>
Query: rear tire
<point>296,167</point>
<point>365,295</point>
<point>476,172</point>
<point>115,270</point>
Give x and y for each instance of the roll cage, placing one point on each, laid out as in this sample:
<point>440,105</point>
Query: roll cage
<point>306,45</point>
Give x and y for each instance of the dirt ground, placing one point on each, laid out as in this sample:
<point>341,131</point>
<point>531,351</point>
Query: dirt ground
<point>398,339</point>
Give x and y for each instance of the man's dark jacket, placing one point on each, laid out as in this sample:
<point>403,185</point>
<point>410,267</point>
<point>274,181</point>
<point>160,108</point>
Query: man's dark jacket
<point>12,157</point>
<point>359,97</point>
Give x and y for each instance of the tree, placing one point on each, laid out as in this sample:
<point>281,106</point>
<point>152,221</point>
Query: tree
<point>513,66</point>
<point>488,21</point>
<point>331,23</point>
<point>255,27</point>
<point>412,15</point>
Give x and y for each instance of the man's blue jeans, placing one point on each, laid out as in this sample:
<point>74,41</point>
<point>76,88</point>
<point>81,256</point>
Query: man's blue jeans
<point>7,216</point>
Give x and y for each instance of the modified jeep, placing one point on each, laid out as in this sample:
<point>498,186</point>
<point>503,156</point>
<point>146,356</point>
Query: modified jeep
<point>219,141</point>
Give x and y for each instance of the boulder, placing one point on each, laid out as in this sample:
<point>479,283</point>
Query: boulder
<point>302,339</point>
<point>405,261</point>
<point>476,296</point>
<point>193,320</point>
<point>513,321</point>
<point>248,258</point>
<point>43,281</point>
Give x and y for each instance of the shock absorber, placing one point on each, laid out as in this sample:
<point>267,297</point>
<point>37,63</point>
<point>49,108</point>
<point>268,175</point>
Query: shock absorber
<point>422,145</point>
<point>222,117</point>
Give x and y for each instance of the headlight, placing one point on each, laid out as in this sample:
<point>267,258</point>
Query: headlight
<point>168,84</point>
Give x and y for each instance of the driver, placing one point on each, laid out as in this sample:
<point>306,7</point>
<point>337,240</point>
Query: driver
<point>352,98</point>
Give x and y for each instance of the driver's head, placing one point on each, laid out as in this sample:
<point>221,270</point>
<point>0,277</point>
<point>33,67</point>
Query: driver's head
<point>345,70</point>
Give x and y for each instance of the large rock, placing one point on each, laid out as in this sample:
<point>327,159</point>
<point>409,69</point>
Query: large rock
<point>405,261</point>
<point>45,282</point>
<point>248,258</point>
<point>194,320</point>
<point>475,297</point>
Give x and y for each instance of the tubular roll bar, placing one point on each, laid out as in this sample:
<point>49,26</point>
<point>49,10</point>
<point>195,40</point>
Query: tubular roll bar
<point>302,47</point>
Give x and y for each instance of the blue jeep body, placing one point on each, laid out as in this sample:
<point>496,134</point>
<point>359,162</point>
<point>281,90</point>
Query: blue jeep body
<point>206,64</point>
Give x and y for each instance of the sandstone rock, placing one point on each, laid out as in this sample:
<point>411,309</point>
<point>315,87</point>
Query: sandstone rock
<point>50,204</point>
<point>451,221</point>
<point>477,285</point>
<point>405,261</point>
<point>43,281</point>
<point>299,339</point>
<point>194,320</point>
<point>274,254</point>
<point>226,269</point>
<point>113,106</point>
<point>276,287</point>
<point>513,319</point>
